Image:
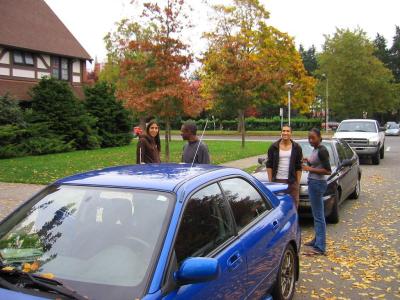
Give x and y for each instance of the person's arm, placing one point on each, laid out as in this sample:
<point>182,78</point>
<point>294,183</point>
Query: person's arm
<point>206,155</point>
<point>269,173</point>
<point>269,163</point>
<point>298,164</point>
<point>323,156</point>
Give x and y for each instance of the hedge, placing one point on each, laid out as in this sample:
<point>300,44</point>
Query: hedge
<point>254,124</point>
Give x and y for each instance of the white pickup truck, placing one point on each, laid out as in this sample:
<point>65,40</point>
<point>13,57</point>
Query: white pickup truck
<point>365,136</point>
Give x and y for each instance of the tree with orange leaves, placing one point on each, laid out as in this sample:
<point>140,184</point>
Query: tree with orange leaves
<point>151,62</point>
<point>248,62</point>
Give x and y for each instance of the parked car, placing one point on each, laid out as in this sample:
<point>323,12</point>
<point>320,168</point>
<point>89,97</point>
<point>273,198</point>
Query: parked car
<point>164,231</point>
<point>393,129</point>
<point>343,183</point>
<point>365,136</point>
<point>331,125</point>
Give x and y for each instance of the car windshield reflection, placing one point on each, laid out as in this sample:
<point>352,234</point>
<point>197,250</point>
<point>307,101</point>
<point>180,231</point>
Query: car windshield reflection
<point>90,237</point>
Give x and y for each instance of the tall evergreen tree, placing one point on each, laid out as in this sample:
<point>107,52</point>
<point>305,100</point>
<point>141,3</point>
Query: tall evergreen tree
<point>309,58</point>
<point>381,49</point>
<point>395,55</point>
<point>113,122</point>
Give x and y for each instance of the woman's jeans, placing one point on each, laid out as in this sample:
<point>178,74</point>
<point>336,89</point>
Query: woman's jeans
<point>316,190</point>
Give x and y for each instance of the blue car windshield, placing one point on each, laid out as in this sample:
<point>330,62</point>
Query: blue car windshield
<point>99,241</point>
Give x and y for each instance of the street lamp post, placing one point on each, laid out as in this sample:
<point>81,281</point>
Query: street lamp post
<point>327,102</point>
<point>289,85</point>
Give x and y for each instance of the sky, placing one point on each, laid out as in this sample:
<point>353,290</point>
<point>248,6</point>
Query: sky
<point>307,20</point>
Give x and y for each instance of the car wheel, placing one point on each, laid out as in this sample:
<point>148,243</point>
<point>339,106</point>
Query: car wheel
<point>357,190</point>
<point>286,281</point>
<point>376,158</point>
<point>333,217</point>
<point>382,152</point>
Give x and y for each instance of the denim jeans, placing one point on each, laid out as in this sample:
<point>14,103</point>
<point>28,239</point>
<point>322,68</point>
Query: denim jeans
<point>316,190</point>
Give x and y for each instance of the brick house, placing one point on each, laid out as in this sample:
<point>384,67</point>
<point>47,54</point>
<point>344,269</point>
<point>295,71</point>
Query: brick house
<point>35,43</point>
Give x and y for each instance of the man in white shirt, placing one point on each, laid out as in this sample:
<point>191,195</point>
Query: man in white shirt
<point>284,163</point>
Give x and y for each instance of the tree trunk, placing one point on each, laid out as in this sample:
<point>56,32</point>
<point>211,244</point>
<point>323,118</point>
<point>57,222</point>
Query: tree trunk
<point>142,123</point>
<point>167,138</point>
<point>242,126</point>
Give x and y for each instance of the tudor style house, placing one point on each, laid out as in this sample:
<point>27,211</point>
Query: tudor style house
<point>35,43</point>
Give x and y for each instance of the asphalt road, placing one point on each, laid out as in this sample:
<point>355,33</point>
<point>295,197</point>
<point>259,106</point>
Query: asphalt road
<point>363,258</point>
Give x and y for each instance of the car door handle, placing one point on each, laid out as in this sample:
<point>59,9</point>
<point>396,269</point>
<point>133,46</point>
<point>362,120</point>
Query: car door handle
<point>275,225</point>
<point>234,261</point>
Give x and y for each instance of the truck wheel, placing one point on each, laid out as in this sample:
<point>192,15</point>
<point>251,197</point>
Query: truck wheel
<point>376,158</point>
<point>382,152</point>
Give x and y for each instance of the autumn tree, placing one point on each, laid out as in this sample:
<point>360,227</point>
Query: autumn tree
<point>358,80</point>
<point>150,63</point>
<point>248,62</point>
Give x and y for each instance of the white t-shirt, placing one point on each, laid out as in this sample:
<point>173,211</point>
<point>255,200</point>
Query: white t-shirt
<point>283,166</point>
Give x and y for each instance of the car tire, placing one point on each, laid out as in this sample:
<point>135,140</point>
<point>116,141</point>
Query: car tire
<point>357,190</point>
<point>382,152</point>
<point>376,158</point>
<point>285,285</point>
<point>333,217</point>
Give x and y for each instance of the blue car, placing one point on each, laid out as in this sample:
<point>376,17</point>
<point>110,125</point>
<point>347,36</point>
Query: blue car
<point>167,231</point>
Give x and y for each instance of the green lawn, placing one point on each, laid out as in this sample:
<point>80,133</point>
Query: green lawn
<point>47,168</point>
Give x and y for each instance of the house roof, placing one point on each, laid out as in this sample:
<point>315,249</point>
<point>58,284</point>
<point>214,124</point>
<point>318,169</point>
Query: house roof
<point>32,25</point>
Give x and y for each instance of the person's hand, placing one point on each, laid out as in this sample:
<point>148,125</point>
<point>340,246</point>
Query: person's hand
<point>306,168</point>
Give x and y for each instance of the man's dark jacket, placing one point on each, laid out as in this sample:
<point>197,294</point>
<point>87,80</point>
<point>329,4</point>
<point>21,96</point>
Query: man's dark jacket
<point>296,158</point>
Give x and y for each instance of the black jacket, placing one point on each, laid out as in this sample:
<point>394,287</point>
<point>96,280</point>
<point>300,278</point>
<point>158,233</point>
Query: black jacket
<point>295,163</point>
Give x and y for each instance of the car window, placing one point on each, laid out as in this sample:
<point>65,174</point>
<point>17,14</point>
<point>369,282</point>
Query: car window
<point>347,150</point>
<point>245,201</point>
<point>206,223</point>
<point>358,126</point>
<point>340,151</point>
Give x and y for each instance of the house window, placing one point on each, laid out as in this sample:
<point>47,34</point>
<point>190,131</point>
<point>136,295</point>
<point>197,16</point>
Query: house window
<point>60,68</point>
<point>23,58</point>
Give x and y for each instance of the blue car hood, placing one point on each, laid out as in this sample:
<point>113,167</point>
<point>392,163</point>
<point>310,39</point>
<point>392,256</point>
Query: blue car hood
<point>11,295</point>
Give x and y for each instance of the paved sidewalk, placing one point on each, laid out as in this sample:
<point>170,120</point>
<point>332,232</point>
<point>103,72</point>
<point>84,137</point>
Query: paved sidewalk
<point>243,163</point>
<point>12,194</point>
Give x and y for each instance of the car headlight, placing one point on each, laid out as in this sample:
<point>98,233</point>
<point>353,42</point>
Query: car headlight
<point>374,141</point>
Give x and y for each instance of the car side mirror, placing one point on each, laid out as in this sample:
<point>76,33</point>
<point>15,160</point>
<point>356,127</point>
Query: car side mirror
<point>346,163</point>
<point>261,160</point>
<point>196,270</point>
<point>382,129</point>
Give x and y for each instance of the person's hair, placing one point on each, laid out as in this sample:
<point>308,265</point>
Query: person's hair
<point>317,132</point>
<point>287,125</point>
<point>191,127</point>
<point>157,137</point>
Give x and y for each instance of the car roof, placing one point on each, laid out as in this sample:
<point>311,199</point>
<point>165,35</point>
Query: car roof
<point>330,140</point>
<point>164,177</point>
<point>359,120</point>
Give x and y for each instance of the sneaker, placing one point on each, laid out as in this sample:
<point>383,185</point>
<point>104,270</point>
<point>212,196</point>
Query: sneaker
<point>314,251</point>
<point>310,243</point>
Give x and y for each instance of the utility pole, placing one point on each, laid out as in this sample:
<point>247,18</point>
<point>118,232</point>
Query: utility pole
<point>289,85</point>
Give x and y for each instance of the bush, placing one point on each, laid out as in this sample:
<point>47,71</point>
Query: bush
<point>34,139</point>
<point>113,122</point>
<point>10,112</point>
<point>54,103</point>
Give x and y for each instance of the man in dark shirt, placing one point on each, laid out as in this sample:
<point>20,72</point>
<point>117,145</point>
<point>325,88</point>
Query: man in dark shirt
<point>194,151</point>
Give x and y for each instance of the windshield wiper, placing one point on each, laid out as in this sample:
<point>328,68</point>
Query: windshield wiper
<point>31,281</point>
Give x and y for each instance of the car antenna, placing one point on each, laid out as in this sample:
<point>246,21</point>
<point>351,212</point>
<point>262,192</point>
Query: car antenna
<point>198,145</point>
